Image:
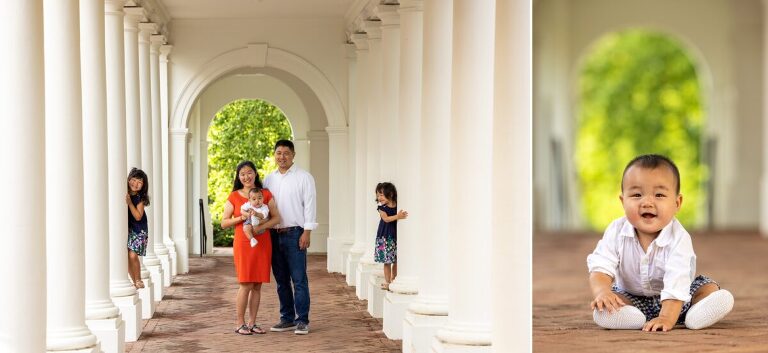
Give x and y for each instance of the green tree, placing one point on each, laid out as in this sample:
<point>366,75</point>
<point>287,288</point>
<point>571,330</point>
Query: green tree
<point>639,94</point>
<point>242,130</point>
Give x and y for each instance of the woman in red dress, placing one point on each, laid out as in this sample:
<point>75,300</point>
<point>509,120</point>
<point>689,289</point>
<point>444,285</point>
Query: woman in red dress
<point>252,264</point>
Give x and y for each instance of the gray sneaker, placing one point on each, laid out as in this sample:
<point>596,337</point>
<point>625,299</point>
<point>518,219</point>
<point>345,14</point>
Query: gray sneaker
<point>283,326</point>
<point>302,329</point>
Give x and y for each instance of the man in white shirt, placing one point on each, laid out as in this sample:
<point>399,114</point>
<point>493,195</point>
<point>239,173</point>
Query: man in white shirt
<point>295,194</point>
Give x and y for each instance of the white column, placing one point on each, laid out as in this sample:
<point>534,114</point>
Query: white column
<point>151,261</point>
<point>360,122</point>
<point>133,129</point>
<point>178,159</point>
<point>512,176</point>
<point>404,288</point>
<point>429,310</point>
<point>366,265</point>
<point>23,298</point>
<point>352,94</point>
<point>64,223</point>
<point>102,316</point>
<point>157,161</point>
<point>471,150</point>
<point>339,195</point>
<point>165,50</point>
<point>764,180</point>
<point>132,106</point>
<point>121,289</point>
<point>390,76</point>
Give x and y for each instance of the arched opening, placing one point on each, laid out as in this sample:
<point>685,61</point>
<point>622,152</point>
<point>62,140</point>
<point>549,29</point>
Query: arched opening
<point>245,129</point>
<point>639,92</point>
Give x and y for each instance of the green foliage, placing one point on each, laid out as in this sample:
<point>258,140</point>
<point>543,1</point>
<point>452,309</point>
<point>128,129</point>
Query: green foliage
<point>222,237</point>
<point>242,130</point>
<point>639,94</point>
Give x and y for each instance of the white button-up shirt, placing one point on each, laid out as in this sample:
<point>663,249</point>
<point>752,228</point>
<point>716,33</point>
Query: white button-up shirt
<point>666,269</point>
<point>296,197</point>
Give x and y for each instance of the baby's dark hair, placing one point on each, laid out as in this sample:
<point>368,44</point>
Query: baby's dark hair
<point>653,161</point>
<point>255,190</point>
<point>388,190</point>
<point>139,174</point>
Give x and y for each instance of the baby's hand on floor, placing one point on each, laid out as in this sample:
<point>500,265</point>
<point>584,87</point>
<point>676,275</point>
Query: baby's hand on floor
<point>607,301</point>
<point>659,324</point>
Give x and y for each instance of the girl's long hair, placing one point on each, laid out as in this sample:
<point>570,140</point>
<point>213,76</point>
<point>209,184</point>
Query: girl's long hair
<point>388,190</point>
<point>139,174</point>
<point>238,184</point>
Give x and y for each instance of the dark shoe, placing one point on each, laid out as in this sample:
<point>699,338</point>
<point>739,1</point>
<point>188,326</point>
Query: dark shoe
<point>302,329</point>
<point>243,330</point>
<point>283,326</point>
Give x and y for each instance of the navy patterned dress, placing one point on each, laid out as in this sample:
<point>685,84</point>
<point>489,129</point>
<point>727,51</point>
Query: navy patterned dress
<point>137,230</point>
<point>386,238</point>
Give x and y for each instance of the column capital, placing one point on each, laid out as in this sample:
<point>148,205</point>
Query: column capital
<point>388,15</point>
<point>411,6</point>
<point>373,29</point>
<point>148,28</point>
<point>133,15</point>
<point>165,49</point>
<point>155,41</point>
<point>336,130</point>
<point>350,49</point>
<point>360,40</point>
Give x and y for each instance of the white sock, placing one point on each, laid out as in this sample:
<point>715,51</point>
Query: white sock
<point>627,317</point>
<point>709,310</point>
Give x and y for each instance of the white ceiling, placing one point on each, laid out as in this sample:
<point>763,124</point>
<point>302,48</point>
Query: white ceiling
<point>204,9</point>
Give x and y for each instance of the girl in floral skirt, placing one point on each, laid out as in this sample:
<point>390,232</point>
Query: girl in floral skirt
<point>137,199</point>
<point>386,235</point>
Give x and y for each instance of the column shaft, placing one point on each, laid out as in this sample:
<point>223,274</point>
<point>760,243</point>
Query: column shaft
<point>157,160</point>
<point>390,82</point>
<point>165,50</point>
<point>471,132</point>
<point>338,195</point>
<point>512,150</point>
<point>121,289</point>
<point>178,159</point>
<point>430,308</point>
<point>132,105</point>
<point>147,155</point>
<point>64,221</point>
<point>360,122</point>
<point>23,298</point>
<point>763,222</point>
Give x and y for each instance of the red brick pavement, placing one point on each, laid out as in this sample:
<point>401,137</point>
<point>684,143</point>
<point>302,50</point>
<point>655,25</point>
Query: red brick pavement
<point>198,315</point>
<point>562,320</point>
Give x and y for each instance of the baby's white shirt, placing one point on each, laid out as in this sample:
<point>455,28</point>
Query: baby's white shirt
<point>666,269</point>
<point>264,210</point>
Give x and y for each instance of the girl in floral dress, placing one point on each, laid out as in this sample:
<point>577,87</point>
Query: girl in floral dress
<point>137,199</point>
<point>386,235</point>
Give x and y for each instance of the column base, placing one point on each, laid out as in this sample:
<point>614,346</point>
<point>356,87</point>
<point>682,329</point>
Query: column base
<point>130,310</point>
<point>156,274</point>
<point>111,333</point>
<point>172,257</point>
<point>362,274</point>
<point>94,349</point>
<point>442,347</point>
<point>165,264</point>
<point>336,248</point>
<point>182,255</point>
<point>395,306</point>
<point>71,339</point>
<point>351,267</point>
<point>456,337</point>
<point>419,331</point>
<point>345,257</point>
<point>376,294</point>
<point>147,297</point>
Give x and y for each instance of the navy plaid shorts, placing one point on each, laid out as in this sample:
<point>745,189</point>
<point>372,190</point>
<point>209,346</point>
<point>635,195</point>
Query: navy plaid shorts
<point>651,306</point>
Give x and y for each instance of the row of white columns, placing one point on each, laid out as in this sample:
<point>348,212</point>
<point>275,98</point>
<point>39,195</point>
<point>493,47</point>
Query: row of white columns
<point>93,75</point>
<point>441,108</point>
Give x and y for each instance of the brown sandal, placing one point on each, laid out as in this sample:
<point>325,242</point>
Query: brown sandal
<point>257,330</point>
<point>243,330</point>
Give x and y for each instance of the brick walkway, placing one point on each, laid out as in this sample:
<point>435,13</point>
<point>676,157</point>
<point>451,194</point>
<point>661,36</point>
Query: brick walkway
<point>562,320</point>
<point>198,315</point>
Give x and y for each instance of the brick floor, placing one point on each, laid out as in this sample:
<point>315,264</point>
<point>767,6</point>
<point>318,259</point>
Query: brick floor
<point>562,320</point>
<point>198,315</point>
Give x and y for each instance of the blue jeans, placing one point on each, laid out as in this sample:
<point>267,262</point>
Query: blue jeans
<point>289,264</point>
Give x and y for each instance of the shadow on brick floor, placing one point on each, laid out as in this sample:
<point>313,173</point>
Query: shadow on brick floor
<point>562,320</point>
<point>197,314</point>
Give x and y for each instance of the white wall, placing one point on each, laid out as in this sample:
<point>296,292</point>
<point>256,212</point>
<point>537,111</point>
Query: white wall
<point>724,37</point>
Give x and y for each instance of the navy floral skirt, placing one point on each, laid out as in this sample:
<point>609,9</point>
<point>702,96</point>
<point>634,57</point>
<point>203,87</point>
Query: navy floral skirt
<point>137,242</point>
<point>386,250</point>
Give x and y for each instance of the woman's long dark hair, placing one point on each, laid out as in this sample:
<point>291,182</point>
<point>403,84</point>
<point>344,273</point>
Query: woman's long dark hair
<point>238,184</point>
<point>139,174</point>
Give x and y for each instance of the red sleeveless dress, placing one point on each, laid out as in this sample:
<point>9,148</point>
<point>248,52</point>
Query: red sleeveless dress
<point>251,264</point>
